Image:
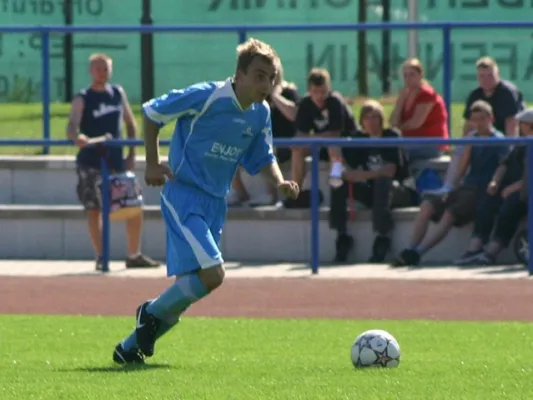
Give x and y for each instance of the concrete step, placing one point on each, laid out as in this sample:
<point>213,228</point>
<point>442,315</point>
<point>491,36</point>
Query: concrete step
<point>262,234</point>
<point>52,180</point>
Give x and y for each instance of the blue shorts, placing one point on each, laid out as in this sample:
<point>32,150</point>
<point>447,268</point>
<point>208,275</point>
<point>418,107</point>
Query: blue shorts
<point>194,222</point>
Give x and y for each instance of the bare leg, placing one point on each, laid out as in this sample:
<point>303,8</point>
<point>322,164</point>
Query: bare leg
<point>421,223</point>
<point>95,230</point>
<point>444,226</point>
<point>133,233</point>
<point>298,164</point>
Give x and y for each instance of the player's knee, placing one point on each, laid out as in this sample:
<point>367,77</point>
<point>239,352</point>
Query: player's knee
<point>212,277</point>
<point>426,209</point>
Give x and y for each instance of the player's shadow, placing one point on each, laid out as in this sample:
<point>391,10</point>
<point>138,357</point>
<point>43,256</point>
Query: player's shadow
<point>119,369</point>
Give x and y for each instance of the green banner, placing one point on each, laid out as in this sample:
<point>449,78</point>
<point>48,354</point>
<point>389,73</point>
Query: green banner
<point>182,58</point>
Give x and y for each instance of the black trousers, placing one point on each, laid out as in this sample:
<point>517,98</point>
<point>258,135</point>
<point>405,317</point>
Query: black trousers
<point>381,196</point>
<point>504,215</point>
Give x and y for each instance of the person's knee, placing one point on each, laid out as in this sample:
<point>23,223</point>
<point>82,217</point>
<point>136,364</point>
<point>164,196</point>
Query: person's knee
<point>93,214</point>
<point>212,277</point>
<point>426,209</point>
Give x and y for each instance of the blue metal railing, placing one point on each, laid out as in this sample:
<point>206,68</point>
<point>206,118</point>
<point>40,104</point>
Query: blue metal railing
<point>315,145</point>
<point>242,31</point>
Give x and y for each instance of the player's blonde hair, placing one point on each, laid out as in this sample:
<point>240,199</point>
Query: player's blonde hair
<point>487,62</point>
<point>100,57</point>
<point>252,48</point>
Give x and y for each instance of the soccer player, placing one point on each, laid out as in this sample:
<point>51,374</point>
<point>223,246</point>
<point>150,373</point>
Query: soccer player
<point>220,125</point>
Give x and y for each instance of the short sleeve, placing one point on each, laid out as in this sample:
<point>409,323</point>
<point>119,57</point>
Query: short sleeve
<point>426,95</point>
<point>304,118</point>
<point>163,109</point>
<point>335,111</point>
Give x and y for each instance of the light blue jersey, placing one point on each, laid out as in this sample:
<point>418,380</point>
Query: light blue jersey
<point>213,135</point>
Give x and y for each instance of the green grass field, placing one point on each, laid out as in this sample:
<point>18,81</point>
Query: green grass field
<point>24,121</point>
<point>45,357</point>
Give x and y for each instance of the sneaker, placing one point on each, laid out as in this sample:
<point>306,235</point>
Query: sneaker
<point>123,357</point>
<point>344,245</point>
<point>380,249</point>
<point>99,265</point>
<point>407,258</point>
<point>483,259</point>
<point>146,329</point>
<point>141,261</point>
<point>468,257</point>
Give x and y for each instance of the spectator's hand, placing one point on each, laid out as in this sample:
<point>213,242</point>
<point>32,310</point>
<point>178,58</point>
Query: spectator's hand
<point>155,174</point>
<point>508,191</point>
<point>289,189</point>
<point>492,188</point>
<point>81,141</point>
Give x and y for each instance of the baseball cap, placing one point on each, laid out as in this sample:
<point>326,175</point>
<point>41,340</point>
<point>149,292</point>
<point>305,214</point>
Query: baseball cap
<point>525,116</point>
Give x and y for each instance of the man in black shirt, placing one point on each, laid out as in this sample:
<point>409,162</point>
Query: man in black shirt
<point>321,114</point>
<point>503,206</point>
<point>97,113</point>
<point>376,176</point>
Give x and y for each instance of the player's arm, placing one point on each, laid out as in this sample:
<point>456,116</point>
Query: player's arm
<point>129,121</point>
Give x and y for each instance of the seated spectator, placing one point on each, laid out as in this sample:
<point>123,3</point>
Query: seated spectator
<point>459,206</point>
<point>419,112</point>
<point>283,104</point>
<point>502,206</point>
<point>322,113</point>
<point>506,101</point>
<point>375,176</point>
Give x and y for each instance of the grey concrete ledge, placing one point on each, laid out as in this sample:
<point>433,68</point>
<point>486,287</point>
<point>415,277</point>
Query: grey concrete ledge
<point>153,212</point>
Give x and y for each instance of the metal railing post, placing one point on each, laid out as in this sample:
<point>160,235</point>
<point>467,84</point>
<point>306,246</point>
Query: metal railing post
<point>315,209</point>
<point>45,86</point>
<point>529,184</point>
<point>106,206</point>
<point>242,36</point>
<point>447,71</point>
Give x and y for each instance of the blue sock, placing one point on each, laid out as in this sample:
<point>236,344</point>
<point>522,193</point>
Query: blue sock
<point>185,291</point>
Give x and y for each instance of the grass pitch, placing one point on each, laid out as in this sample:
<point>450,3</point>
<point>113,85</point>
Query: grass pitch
<point>45,357</point>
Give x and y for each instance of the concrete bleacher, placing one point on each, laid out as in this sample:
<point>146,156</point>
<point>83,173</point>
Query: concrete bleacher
<point>41,219</point>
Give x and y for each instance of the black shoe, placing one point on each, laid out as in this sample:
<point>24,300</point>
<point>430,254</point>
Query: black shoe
<point>146,330</point>
<point>343,246</point>
<point>380,249</point>
<point>123,357</point>
<point>407,258</point>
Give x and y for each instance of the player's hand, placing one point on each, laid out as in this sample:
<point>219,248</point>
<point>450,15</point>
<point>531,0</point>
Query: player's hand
<point>289,189</point>
<point>155,174</point>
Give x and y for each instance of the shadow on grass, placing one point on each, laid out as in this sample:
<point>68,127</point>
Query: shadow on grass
<point>118,368</point>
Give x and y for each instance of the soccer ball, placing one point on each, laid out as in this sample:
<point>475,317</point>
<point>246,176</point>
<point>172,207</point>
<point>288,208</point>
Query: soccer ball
<point>375,348</point>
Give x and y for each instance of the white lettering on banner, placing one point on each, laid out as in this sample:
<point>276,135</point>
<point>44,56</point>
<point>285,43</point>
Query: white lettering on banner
<point>225,152</point>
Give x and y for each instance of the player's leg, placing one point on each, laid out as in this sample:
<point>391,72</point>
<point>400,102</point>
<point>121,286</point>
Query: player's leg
<point>194,256</point>
<point>87,192</point>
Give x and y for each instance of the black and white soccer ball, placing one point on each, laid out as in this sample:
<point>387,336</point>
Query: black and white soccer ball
<point>375,348</point>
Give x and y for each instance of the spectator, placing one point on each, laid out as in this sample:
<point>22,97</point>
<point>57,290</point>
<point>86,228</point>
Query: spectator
<point>419,112</point>
<point>459,206</point>
<point>502,205</point>
<point>375,176</point>
<point>283,104</point>
<point>97,112</point>
<point>321,114</point>
<point>506,101</point>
